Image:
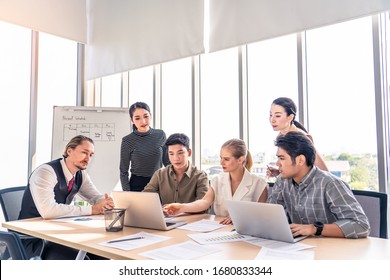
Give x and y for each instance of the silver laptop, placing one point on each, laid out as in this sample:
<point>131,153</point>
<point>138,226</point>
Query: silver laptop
<point>143,209</point>
<point>264,220</point>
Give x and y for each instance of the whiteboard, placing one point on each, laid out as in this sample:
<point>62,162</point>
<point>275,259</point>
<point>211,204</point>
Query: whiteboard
<point>106,127</point>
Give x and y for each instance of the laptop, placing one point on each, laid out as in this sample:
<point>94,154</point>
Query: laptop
<point>264,220</point>
<point>143,210</point>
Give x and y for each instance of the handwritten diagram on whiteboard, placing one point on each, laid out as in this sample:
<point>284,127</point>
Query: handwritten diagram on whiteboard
<point>95,131</point>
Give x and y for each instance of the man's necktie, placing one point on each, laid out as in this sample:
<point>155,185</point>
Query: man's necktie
<point>70,185</point>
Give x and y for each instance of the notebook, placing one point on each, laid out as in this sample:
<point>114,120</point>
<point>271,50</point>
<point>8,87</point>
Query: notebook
<point>264,220</point>
<point>143,209</point>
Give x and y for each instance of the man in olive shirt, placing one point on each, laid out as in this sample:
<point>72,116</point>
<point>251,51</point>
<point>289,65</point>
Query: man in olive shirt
<point>179,181</point>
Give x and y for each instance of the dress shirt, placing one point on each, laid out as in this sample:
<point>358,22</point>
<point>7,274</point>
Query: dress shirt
<point>323,197</point>
<point>193,185</point>
<point>42,183</point>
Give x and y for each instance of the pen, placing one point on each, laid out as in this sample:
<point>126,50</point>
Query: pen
<point>125,239</point>
<point>116,219</point>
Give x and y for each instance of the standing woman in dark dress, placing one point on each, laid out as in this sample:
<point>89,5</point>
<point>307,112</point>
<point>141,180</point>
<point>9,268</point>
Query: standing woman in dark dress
<point>142,151</point>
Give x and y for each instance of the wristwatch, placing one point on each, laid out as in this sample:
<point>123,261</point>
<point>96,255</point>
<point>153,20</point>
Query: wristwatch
<point>319,226</point>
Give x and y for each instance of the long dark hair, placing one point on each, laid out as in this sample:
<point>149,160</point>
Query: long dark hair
<point>138,105</point>
<point>290,108</point>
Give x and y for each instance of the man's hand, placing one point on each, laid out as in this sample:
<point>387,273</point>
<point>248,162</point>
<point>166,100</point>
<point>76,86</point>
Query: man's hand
<point>305,230</point>
<point>109,202</point>
<point>104,204</point>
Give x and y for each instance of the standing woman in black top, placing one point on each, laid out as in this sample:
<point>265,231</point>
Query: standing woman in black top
<point>142,151</point>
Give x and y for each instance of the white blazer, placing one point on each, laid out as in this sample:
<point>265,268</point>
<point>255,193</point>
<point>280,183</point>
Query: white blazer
<point>250,189</point>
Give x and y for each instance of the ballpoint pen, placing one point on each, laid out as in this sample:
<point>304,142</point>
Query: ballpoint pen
<point>126,239</point>
<point>115,220</point>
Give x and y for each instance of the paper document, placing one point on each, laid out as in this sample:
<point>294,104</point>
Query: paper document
<point>131,242</point>
<point>183,251</point>
<point>218,237</point>
<point>279,245</point>
<point>91,221</point>
<point>202,226</point>
<point>272,254</point>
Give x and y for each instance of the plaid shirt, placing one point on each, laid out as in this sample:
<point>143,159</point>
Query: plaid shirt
<point>323,197</point>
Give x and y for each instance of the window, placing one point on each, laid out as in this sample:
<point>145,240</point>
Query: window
<point>141,86</point>
<point>57,80</point>
<point>15,57</point>
<point>272,73</point>
<point>341,97</point>
<point>176,97</point>
<point>219,103</point>
<point>111,90</point>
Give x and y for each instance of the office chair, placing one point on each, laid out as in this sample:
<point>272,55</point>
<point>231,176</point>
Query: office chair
<point>14,246</point>
<point>374,205</point>
<point>11,203</point>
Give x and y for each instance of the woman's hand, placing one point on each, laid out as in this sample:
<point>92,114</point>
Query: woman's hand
<point>226,221</point>
<point>173,209</point>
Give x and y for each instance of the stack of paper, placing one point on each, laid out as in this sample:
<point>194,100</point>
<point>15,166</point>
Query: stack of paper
<point>219,237</point>
<point>202,226</point>
<point>131,242</point>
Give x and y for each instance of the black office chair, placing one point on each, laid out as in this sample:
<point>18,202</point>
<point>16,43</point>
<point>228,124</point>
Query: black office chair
<point>14,246</point>
<point>374,205</point>
<point>11,203</point>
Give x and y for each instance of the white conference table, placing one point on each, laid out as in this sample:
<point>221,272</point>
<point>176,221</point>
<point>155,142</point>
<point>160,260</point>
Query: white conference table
<point>86,239</point>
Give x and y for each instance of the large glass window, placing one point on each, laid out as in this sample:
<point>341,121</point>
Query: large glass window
<point>111,90</point>
<point>341,100</point>
<point>57,80</point>
<point>141,86</point>
<point>219,103</point>
<point>15,60</point>
<point>176,97</point>
<point>272,73</point>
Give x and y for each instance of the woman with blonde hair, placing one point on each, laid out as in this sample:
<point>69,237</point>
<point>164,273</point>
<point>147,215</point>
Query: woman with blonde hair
<point>235,183</point>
